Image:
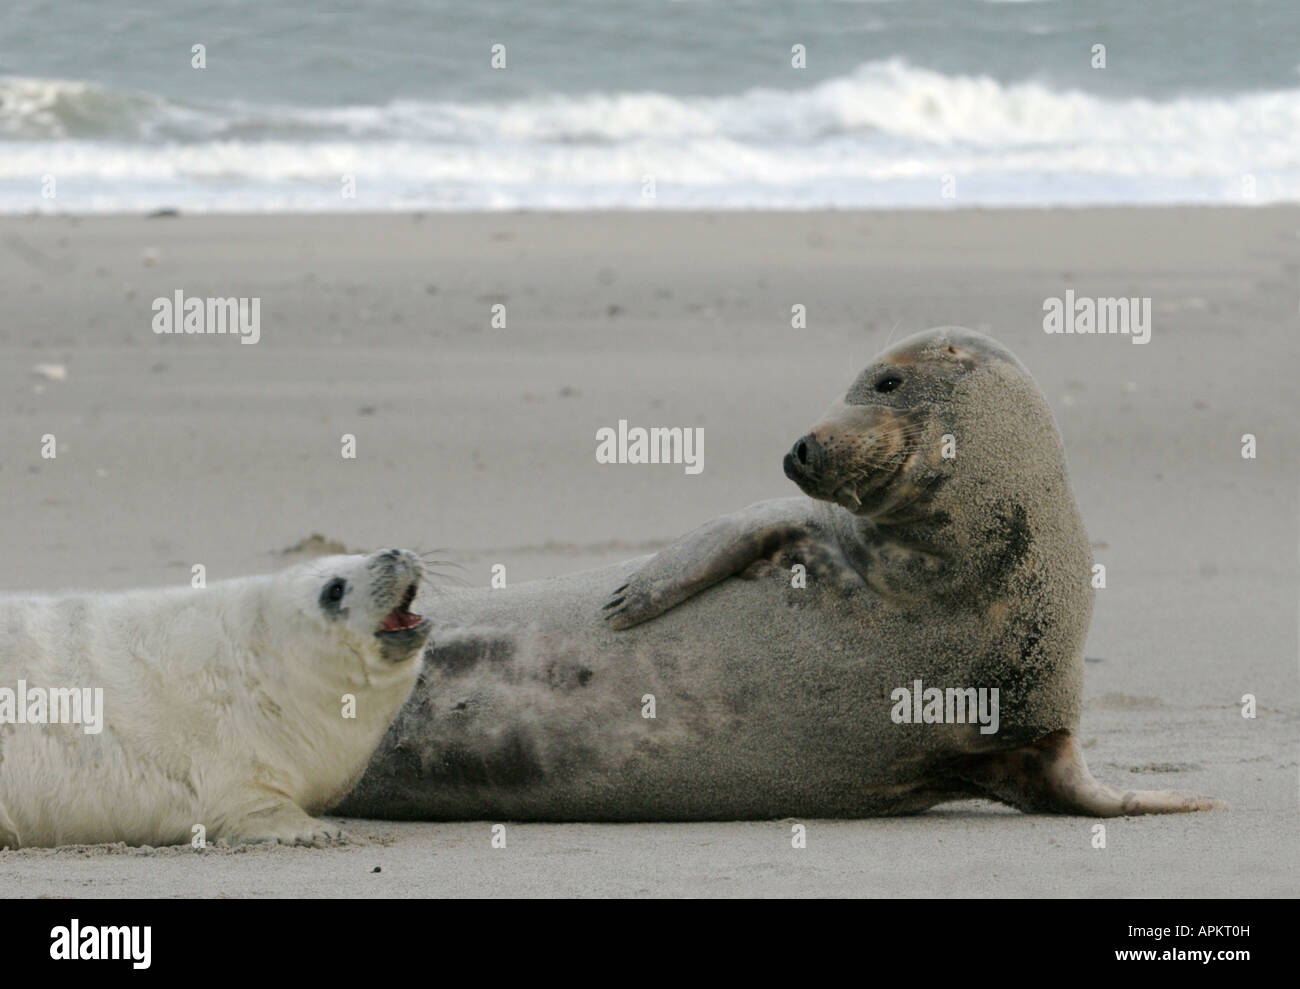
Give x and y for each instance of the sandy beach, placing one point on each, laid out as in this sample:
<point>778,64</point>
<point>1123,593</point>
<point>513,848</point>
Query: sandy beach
<point>478,440</point>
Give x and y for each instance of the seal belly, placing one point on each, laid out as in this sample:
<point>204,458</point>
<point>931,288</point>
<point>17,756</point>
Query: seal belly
<point>530,707</point>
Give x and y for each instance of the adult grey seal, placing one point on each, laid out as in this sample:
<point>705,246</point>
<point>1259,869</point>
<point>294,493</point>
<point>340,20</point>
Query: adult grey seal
<point>939,544</point>
<point>235,711</point>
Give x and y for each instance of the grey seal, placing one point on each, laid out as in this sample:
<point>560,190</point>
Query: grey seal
<point>236,711</point>
<point>937,540</point>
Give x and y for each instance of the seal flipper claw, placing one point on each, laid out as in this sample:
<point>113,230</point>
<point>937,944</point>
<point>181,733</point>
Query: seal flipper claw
<point>1051,776</point>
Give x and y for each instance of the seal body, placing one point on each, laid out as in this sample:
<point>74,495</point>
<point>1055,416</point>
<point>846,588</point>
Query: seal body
<point>752,669</point>
<point>234,711</point>
<point>751,700</point>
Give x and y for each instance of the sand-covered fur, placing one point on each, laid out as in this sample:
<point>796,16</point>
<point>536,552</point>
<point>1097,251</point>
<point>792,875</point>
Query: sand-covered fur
<point>940,543</point>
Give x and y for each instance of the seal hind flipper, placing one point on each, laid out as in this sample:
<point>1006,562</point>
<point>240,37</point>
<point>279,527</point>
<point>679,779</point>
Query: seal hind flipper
<point>1051,776</point>
<point>721,548</point>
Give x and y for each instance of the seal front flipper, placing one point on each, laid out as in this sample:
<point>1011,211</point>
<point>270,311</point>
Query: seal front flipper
<point>283,822</point>
<point>1051,776</point>
<point>721,548</point>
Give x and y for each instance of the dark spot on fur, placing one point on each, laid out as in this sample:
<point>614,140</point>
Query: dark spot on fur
<point>1010,539</point>
<point>1023,658</point>
<point>515,763</point>
<point>458,655</point>
<point>396,758</point>
<point>743,697</point>
<point>1030,641</point>
<point>1020,661</point>
<point>562,675</point>
<point>929,491</point>
<point>512,762</point>
<point>873,536</point>
<point>458,765</point>
<point>995,561</point>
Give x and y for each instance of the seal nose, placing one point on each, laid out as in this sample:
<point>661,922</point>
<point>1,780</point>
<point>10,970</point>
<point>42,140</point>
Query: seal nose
<point>399,564</point>
<point>803,457</point>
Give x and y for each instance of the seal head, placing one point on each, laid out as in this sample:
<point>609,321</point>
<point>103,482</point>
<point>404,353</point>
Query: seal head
<point>350,592</point>
<point>891,440</point>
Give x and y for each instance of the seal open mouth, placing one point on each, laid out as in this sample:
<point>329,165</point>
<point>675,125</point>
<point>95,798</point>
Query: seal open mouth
<point>400,619</point>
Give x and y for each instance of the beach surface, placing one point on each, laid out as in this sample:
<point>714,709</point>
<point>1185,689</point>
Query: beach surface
<point>478,440</point>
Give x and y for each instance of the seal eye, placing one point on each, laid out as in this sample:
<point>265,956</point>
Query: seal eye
<point>335,588</point>
<point>889,383</point>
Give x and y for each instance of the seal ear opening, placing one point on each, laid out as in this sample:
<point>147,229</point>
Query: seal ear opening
<point>1051,776</point>
<point>962,355</point>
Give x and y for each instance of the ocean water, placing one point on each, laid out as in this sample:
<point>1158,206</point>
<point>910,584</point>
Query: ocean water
<point>645,104</point>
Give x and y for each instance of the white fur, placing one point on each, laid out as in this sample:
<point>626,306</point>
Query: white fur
<point>223,707</point>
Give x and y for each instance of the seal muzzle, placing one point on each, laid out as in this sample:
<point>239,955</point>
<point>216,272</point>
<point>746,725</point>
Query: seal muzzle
<point>397,581</point>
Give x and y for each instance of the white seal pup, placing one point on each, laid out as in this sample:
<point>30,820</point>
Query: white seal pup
<point>241,709</point>
<point>936,555</point>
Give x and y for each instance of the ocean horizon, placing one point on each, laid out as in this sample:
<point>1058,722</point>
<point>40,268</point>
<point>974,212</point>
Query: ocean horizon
<point>711,104</point>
